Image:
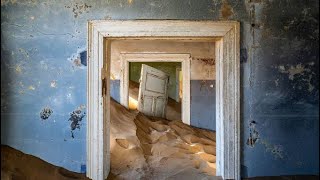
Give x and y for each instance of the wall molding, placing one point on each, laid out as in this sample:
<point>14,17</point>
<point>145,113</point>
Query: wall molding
<point>227,37</point>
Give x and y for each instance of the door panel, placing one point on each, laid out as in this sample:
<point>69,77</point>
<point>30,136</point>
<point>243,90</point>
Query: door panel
<point>153,92</point>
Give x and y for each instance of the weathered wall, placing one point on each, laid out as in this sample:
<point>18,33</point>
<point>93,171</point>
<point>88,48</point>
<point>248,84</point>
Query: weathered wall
<point>43,83</point>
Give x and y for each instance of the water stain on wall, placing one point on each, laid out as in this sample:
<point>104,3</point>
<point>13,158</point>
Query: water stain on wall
<point>226,10</point>
<point>45,113</point>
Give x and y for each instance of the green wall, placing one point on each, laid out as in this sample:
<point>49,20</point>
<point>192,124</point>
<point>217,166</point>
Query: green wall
<point>169,68</point>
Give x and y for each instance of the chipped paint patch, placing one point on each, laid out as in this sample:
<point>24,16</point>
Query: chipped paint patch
<point>45,113</point>
<point>79,8</point>
<point>79,59</point>
<point>18,69</point>
<point>76,117</point>
<point>53,84</point>
<point>293,70</point>
<point>276,150</point>
<point>299,73</point>
<point>254,135</point>
<point>31,88</point>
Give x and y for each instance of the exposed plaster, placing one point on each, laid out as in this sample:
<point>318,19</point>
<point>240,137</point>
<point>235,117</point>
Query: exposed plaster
<point>298,73</point>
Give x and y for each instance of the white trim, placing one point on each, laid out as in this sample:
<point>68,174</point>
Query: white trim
<point>157,57</point>
<point>178,69</point>
<point>228,85</point>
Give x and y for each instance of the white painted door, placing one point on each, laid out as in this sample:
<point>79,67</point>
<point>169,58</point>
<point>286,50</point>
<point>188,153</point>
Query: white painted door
<point>153,92</point>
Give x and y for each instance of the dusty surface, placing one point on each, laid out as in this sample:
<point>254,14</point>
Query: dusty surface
<point>154,148</point>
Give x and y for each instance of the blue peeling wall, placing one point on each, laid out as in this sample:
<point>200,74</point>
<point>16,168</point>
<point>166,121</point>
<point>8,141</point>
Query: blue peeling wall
<point>43,76</point>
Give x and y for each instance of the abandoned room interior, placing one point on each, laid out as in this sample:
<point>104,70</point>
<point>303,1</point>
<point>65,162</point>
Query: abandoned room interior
<point>159,89</point>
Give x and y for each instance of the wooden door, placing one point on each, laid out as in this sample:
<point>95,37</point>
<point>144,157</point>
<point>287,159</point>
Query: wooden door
<point>153,92</point>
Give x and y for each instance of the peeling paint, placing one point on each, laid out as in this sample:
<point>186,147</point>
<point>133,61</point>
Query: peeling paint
<point>276,150</point>
<point>31,88</point>
<point>53,84</point>
<point>254,135</point>
<point>76,117</point>
<point>299,73</point>
<point>293,70</point>
<point>79,59</point>
<point>79,8</point>
<point>45,113</point>
<point>18,69</point>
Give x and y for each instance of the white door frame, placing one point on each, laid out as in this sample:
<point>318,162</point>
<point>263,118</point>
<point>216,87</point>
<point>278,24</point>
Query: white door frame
<point>178,69</point>
<point>183,58</point>
<point>100,35</point>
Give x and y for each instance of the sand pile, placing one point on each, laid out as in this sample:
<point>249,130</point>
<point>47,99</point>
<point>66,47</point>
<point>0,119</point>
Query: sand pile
<point>15,165</point>
<point>154,148</point>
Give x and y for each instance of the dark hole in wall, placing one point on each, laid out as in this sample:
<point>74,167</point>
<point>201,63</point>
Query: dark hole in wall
<point>83,58</point>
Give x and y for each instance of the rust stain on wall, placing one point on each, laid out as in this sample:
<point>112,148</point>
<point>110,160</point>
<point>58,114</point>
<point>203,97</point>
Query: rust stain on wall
<point>226,10</point>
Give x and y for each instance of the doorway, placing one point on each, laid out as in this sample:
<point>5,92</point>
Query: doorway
<point>226,34</point>
<point>182,59</point>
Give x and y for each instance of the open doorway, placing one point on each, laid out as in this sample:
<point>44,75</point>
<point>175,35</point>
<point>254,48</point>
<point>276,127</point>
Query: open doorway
<point>152,73</point>
<point>102,33</point>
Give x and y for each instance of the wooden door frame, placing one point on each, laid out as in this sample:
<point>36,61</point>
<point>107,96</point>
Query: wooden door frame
<point>227,35</point>
<point>183,58</point>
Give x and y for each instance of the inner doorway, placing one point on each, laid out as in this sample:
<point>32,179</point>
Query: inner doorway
<point>181,60</point>
<point>172,102</point>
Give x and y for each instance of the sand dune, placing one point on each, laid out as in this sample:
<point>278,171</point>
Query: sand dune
<point>153,148</point>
